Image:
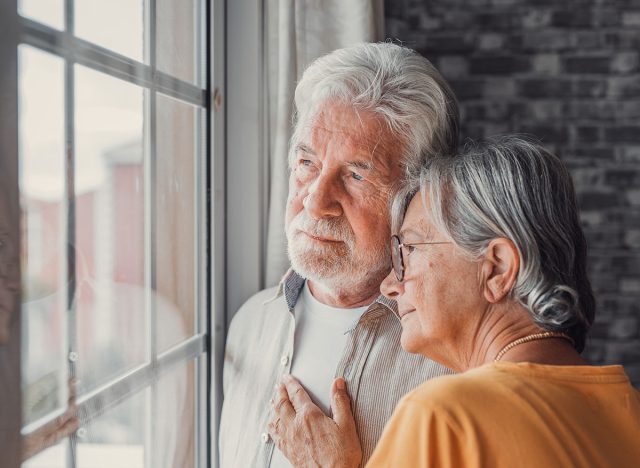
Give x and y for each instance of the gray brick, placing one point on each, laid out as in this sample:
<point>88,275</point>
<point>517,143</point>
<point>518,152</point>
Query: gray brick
<point>631,18</point>
<point>624,133</point>
<point>498,65</point>
<point>499,87</point>
<point>490,41</point>
<point>630,285</point>
<point>543,110</point>
<point>628,154</point>
<point>547,40</point>
<point>586,134</point>
<point>624,328</point>
<point>536,18</point>
<point>625,62</point>
<point>453,66</point>
<point>622,39</point>
<point>544,87</point>
<point>581,18</point>
<point>468,88</point>
<point>545,64</point>
<point>632,239</point>
<point>587,64</point>
<point>633,197</point>
<point>598,200</point>
<point>624,87</point>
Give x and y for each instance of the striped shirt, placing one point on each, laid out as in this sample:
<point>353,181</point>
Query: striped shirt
<point>259,351</point>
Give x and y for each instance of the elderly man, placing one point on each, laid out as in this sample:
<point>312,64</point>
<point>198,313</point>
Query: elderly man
<point>366,116</point>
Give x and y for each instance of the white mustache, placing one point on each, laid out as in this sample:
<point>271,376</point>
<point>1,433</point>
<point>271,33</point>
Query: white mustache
<point>335,229</point>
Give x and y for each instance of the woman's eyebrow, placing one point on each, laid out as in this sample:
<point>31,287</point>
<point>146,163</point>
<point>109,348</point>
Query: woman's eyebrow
<point>409,232</point>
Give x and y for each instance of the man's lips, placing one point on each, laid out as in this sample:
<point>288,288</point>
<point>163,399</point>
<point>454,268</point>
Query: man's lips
<point>320,239</point>
<point>402,313</point>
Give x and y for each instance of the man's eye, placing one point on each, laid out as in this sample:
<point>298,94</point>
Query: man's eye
<point>306,162</point>
<point>409,248</point>
<point>357,176</point>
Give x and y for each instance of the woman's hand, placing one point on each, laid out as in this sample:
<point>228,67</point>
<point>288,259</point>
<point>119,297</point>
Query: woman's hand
<point>307,437</point>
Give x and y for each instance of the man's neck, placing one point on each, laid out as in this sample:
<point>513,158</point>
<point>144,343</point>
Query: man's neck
<point>343,298</point>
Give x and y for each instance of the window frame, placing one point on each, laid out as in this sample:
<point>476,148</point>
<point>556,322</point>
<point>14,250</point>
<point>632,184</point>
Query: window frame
<point>205,348</point>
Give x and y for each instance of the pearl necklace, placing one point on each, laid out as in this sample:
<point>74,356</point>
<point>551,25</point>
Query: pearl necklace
<point>535,336</point>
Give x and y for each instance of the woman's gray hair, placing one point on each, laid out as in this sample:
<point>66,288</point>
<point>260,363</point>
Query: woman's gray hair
<point>392,81</point>
<point>513,188</point>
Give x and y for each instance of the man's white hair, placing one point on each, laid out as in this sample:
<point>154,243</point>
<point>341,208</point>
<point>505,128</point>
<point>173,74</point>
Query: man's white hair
<point>391,81</point>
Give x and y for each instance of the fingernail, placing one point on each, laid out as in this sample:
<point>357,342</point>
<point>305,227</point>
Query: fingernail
<point>340,385</point>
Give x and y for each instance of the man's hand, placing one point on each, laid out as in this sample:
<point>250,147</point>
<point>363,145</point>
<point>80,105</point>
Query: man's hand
<point>49,434</point>
<point>307,437</point>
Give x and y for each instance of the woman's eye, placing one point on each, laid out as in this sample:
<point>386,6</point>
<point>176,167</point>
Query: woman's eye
<point>409,248</point>
<point>357,176</point>
<point>306,162</point>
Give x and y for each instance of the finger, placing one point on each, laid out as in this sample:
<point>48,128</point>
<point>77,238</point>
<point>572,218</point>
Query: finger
<point>282,407</point>
<point>272,429</point>
<point>341,405</point>
<point>297,394</point>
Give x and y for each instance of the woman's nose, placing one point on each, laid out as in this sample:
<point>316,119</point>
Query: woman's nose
<point>391,287</point>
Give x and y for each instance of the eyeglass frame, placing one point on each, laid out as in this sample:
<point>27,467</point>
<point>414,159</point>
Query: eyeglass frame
<point>396,250</point>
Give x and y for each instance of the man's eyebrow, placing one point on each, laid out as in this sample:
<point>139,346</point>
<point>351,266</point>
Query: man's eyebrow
<point>304,148</point>
<point>364,165</point>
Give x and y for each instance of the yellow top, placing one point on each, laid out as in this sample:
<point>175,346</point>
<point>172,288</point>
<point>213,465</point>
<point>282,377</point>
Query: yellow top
<point>516,415</point>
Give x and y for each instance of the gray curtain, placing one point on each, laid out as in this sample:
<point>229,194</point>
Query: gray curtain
<point>298,32</point>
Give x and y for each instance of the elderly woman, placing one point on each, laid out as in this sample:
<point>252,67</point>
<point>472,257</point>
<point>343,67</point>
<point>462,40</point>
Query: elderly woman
<point>490,280</point>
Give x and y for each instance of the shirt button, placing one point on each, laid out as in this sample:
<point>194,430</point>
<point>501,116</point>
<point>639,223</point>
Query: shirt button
<point>264,437</point>
<point>284,360</point>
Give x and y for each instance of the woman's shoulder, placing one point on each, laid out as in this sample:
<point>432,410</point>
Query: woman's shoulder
<point>475,387</point>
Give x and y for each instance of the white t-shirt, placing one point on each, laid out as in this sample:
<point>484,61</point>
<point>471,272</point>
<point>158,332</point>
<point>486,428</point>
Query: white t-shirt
<point>319,341</point>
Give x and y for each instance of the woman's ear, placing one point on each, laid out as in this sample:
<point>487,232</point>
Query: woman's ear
<point>499,269</point>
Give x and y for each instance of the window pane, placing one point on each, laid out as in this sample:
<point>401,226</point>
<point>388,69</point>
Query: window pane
<point>52,457</point>
<point>179,39</point>
<point>176,187</point>
<point>110,213</point>
<point>116,438</point>
<point>50,12</point>
<point>41,125</point>
<point>115,24</point>
<point>174,419</point>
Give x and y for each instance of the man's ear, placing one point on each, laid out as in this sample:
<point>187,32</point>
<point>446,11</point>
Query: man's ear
<point>499,269</point>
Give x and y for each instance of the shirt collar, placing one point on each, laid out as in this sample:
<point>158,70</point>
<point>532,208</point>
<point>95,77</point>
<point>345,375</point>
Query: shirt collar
<point>292,283</point>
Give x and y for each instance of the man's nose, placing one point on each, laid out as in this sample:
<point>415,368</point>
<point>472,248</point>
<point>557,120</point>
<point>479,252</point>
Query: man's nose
<point>391,287</point>
<point>321,201</point>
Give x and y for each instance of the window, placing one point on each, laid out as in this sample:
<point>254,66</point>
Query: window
<point>113,153</point>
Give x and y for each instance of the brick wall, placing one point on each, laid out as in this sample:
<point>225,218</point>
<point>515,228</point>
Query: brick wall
<point>568,72</point>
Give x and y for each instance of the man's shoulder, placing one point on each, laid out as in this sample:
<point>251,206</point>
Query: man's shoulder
<point>255,306</point>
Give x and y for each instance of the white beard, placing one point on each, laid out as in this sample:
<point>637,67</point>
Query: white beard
<point>338,266</point>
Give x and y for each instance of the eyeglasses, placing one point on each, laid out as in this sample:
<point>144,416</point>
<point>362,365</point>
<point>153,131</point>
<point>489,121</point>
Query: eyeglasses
<point>397,260</point>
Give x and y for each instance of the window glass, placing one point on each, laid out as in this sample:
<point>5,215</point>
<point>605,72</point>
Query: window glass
<point>175,418</point>
<point>176,187</point>
<point>49,12</point>
<point>42,200</point>
<point>117,438</point>
<point>109,227</point>
<point>177,37</point>
<point>52,457</point>
<point>117,25</point>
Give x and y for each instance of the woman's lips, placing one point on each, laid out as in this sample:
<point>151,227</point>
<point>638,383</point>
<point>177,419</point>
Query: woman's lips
<point>403,313</point>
